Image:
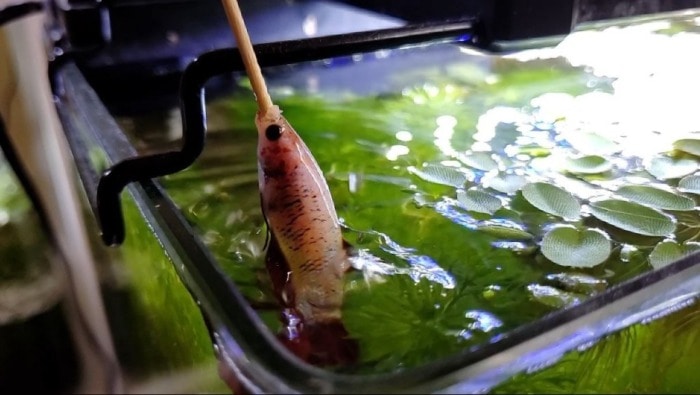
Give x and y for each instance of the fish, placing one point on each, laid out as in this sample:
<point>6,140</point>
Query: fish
<point>301,219</point>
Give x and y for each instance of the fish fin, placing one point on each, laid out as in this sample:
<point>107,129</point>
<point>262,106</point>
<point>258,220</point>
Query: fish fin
<point>349,251</point>
<point>349,248</point>
<point>268,236</point>
<point>267,226</point>
<point>324,344</point>
<point>278,270</point>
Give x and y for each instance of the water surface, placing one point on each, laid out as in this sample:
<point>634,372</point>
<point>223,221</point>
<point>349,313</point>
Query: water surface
<point>439,175</point>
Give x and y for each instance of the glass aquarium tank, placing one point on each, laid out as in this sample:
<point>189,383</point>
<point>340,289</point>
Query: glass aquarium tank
<point>38,324</point>
<point>36,349</point>
<point>483,197</point>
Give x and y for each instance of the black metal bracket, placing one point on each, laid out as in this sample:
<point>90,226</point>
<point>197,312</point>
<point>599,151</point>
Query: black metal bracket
<point>210,64</point>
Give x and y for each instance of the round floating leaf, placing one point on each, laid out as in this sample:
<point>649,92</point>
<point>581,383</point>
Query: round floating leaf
<point>633,217</point>
<point>591,143</point>
<point>690,184</point>
<point>669,251</point>
<point>665,168</point>
<point>506,232</point>
<point>568,246</point>
<point>691,146</point>
<point>506,183</point>
<point>534,150</point>
<point>480,160</point>
<point>552,199</point>
<point>591,164</point>
<point>553,297</point>
<point>479,201</point>
<point>657,198</point>
<point>439,174</point>
<point>507,214</point>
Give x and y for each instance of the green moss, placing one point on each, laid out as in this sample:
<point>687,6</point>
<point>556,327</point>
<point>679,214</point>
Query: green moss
<point>158,328</point>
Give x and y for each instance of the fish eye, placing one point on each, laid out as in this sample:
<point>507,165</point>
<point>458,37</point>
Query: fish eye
<point>273,132</point>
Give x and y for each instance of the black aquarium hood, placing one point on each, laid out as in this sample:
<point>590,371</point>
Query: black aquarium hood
<point>507,20</point>
<point>133,51</point>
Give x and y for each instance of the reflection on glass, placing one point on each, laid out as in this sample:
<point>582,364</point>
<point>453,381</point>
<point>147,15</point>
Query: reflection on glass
<point>36,351</point>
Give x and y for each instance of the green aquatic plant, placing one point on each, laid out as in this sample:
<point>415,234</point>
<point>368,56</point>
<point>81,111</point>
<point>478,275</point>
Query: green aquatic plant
<point>656,198</point>
<point>669,251</point>
<point>568,246</point>
<point>552,200</point>
<point>476,200</point>
<point>690,184</point>
<point>479,201</point>
<point>691,146</point>
<point>666,167</point>
<point>419,211</point>
<point>633,217</point>
<point>428,213</point>
<point>656,358</point>
<point>589,164</point>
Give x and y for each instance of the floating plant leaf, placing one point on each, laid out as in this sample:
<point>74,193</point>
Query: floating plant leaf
<point>506,183</point>
<point>690,184</point>
<point>534,150</point>
<point>665,168</point>
<point>578,282</point>
<point>656,198</point>
<point>479,201</point>
<point>552,199</point>
<point>553,297</point>
<point>569,246</point>
<point>507,213</point>
<point>591,143</point>
<point>591,164</point>
<point>691,146</point>
<point>439,174</point>
<point>633,217</point>
<point>480,160</point>
<point>689,218</point>
<point>506,232</point>
<point>421,200</point>
<point>669,251</point>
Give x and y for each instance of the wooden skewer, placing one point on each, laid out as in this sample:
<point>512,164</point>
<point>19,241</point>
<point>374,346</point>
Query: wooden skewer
<point>235,19</point>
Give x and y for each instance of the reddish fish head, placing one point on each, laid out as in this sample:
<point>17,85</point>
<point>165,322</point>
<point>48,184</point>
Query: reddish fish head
<point>278,144</point>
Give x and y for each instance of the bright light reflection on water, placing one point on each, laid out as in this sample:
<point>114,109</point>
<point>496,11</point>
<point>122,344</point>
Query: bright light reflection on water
<point>648,67</point>
<point>419,267</point>
<point>483,320</point>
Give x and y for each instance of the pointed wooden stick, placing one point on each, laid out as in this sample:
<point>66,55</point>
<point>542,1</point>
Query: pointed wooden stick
<point>235,19</point>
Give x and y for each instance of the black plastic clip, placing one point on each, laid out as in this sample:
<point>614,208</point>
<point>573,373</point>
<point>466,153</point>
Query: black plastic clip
<point>210,64</point>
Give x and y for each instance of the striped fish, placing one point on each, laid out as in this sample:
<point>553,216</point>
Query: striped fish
<point>301,219</point>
